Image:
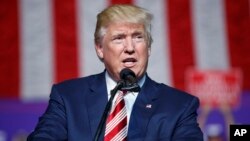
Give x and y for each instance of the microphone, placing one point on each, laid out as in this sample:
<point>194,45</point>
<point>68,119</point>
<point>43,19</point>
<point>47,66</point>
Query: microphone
<point>129,80</point>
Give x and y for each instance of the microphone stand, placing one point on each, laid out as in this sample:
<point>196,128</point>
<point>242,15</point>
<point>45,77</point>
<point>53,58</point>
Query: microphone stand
<point>107,110</point>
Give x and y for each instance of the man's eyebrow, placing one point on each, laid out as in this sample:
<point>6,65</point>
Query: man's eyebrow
<point>118,33</point>
<point>137,33</point>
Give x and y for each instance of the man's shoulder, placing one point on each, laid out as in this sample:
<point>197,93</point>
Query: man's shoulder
<point>171,98</point>
<point>174,93</point>
<point>169,93</point>
<point>79,82</point>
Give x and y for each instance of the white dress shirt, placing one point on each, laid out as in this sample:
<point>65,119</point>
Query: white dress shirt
<point>129,98</point>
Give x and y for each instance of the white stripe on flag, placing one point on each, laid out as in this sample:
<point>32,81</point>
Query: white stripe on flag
<point>87,11</point>
<point>209,34</point>
<point>159,62</point>
<point>36,49</point>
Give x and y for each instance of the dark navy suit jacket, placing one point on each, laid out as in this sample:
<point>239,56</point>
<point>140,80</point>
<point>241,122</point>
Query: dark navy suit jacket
<point>160,113</point>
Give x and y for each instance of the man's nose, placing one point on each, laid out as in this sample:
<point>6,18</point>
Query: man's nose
<point>129,45</point>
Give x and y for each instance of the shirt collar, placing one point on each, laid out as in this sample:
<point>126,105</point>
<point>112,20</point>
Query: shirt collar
<point>111,83</point>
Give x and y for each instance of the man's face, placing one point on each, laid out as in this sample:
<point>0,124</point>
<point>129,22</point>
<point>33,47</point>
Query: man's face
<point>124,46</point>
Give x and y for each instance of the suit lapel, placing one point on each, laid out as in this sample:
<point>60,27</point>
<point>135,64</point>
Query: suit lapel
<point>143,109</point>
<point>96,101</point>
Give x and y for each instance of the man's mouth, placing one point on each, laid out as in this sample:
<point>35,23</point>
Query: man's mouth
<point>129,62</point>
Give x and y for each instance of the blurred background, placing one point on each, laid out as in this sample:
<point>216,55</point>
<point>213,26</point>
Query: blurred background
<point>200,46</point>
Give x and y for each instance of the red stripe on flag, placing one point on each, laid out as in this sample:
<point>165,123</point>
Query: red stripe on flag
<point>66,62</point>
<point>121,2</point>
<point>180,37</point>
<point>9,54</point>
<point>237,16</point>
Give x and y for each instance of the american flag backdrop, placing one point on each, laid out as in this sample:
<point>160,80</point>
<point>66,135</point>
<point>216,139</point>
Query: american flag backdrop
<point>47,41</point>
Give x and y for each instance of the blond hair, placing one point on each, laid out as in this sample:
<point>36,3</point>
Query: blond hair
<point>123,13</point>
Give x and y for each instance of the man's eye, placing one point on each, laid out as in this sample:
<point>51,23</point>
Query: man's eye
<point>139,38</point>
<point>117,39</point>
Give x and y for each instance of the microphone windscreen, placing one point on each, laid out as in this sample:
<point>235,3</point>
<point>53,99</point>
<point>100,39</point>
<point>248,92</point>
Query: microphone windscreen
<point>125,73</point>
<point>129,79</point>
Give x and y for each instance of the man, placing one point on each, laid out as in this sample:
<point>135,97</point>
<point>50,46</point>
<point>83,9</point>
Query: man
<point>157,112</point>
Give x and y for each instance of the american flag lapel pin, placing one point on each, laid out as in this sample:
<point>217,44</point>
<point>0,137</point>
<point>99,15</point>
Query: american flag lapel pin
<point>148,106</point>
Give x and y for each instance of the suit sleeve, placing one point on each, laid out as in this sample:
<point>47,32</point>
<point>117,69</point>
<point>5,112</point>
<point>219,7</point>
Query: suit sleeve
<point>187,128</point>
<point>52,124</point>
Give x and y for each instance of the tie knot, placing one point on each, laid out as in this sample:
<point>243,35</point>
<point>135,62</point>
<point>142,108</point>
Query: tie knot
<point>124,92</point>
<point>121,94</point>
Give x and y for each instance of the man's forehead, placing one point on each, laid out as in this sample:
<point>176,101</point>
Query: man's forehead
<point>117,32</point>
<point>126,28</point>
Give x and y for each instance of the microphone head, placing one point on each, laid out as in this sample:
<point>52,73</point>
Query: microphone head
<point>129,79</point>
<point>125,73</point>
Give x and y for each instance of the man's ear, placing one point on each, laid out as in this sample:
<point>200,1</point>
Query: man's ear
<point>99,51</point>
<point>149,51</point>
